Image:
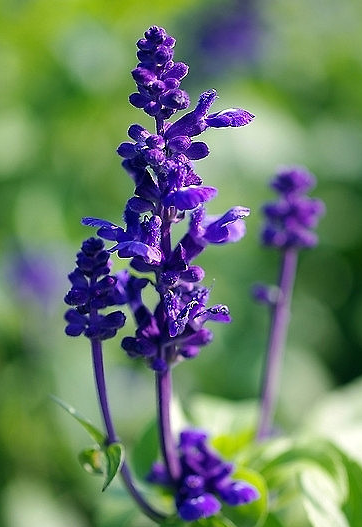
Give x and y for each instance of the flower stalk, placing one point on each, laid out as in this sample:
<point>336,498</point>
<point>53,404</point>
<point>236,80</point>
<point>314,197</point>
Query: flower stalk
<point>276,344</point>
<point>288,228</point>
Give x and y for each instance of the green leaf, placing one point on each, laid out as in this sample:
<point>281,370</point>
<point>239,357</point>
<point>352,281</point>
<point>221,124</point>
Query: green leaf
<point>94,432</point>
<point>214,521</point>
<point>91,460</point>
<point>223,417</point>
<point>145,451</point>
<point>114,459</point>
<point>273,521</point>
<point>175,521</point>
<point>353,505</point>
<point>320,499</point>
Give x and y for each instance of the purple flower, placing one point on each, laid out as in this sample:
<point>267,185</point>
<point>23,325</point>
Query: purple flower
<point>205,479</point>
<point>90,292</point>
<point>290,219</point>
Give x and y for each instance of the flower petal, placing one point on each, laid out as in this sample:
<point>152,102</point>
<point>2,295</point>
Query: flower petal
<point>188,198</point>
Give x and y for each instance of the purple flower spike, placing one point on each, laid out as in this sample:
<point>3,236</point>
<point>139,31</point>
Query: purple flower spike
<point>90,292</point>
<point>289,220</point>
<point>205,479</point>
<point>160,162</point>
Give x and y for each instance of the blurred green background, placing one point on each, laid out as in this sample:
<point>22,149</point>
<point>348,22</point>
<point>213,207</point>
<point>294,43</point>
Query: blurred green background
<point>64,109</point>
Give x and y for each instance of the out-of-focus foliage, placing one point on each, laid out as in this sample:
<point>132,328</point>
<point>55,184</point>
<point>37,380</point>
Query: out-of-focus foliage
<point>63,111</point>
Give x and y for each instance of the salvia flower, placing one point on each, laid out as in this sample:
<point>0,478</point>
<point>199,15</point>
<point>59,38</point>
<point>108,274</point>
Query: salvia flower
<point>205,479</point>
<point>290,219</point>
<point>167,188</point>
<point>93,289</point>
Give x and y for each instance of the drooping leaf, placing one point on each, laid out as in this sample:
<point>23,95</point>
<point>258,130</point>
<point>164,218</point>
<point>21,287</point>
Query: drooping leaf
<point>91,460</point>
<point>353,505</point>
<point>320,499</point>
<point>273,521</point>
<point>114,459</point>
<point>93,431</point>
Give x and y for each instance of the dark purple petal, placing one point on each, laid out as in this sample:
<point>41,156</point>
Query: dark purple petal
<point>97,222</point>
<point>228,228</point>
<point>192,437</point>
<point>179,144</point>
<point>201,338</point>
<point>152,108</point>
<point>143,76</point>
<point>163,54</point>
<point>188,198</point>
<point>293,180</point>
<point>189,352</point>
<point>177,326</point>
<point>238,493</point>
<point>76,297</point>
<point>217,313</point>
<point>178,71</point>
<point>151,231</point>
<point>114,320</point>
<point>206,99</point>
<point>155,141</point>
<point>140,205</point>
<point>175,99</point>
<point>176,262</point>
<point>131,248</point>
<point>78,279</point>
<point>156,34</point>
<point>231,117</point>
<point>138,133</point>
<point>147,188</point>
<point>154,156</point>
<point>138,100</point>
<point>197,150</point>
<point>127,150</point>
<point>73,317</point>
<point>158,475</point>
<point>136,347</point>
<point>74,330</point>
<point>201,507</point>
<point>194,273</point>
<point>159,365</point>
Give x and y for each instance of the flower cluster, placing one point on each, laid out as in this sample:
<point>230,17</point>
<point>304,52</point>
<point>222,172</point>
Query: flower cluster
<point>93,289</point>
<point>205,477</point>
<point>290,219</point>
<point>166,185</point>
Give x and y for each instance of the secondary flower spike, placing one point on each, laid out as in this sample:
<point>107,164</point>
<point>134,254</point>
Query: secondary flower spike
<point>205,479</point>
<point>290,219</point>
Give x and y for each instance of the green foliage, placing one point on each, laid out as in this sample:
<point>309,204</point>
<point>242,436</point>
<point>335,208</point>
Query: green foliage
<point>145,450</point>
<point>96,434</point>
<point>103,459</point>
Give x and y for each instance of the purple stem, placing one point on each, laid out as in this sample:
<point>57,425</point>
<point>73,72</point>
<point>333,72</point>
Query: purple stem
<point>98,369</point>
<point>276,343</point>
<point>167,443</point>
<point>164,379</point>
